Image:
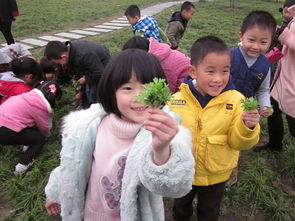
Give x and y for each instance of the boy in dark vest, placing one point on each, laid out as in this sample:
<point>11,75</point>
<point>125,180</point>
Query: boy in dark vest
<point>178,22</point>
<point>250,69</point>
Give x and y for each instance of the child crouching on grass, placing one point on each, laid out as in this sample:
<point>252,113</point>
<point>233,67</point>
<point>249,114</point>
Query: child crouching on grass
<point>120,157</point>
<point>25,119</point>
<point>211,109</point>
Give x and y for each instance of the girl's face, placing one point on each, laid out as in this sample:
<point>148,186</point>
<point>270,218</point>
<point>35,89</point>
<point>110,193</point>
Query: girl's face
<point>130,109</point>
<point>28,78</point>
<point>255,40</point>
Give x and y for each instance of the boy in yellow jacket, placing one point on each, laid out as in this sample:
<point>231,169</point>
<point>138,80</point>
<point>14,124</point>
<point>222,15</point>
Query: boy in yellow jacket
<point>211,109</point>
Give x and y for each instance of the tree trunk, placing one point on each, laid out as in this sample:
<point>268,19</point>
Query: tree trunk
<point>232,3</point>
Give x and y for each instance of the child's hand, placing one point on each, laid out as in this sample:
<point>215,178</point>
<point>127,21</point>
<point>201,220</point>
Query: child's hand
<point>251,118</point>
<point>52,208</point>
<point>163,128</point>
<point>266,111</point>
<point>82,80</point>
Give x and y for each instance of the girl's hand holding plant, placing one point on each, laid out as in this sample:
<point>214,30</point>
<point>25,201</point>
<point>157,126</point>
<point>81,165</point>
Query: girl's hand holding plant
<point>161,124</point>
<point>251,115</point>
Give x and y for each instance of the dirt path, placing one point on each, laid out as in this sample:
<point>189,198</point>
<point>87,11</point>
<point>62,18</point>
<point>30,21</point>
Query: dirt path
<point>5,208</point>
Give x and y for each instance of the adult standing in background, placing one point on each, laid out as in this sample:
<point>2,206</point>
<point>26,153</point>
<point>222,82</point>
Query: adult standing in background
<point>8,12</point>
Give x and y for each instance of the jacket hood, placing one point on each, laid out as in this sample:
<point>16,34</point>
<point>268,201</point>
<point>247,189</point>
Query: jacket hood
<point>33,100</point>
<point>161,50</point>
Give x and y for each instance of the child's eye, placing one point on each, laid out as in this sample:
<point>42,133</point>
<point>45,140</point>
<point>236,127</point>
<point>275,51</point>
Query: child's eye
<point>126,88</point>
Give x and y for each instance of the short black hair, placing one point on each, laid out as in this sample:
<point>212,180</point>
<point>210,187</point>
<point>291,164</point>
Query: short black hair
<point>137,42</point>
<point>289,3</point>
<point>26,65</point>
<point>48,66</point>
<point>119,71</point>
<point>205,45</point>
<point>262,19</point>
<point>54,49</point>
<point>51,91</point>
<point>132,11</point>
<point>186,6</point>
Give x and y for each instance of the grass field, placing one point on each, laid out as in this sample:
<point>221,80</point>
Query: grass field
<point>266,187</point>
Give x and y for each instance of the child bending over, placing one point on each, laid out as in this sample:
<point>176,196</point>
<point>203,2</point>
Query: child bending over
<point>120,157</point>
<point>174,63</point>
<point>147,25</point>
<point>26,119</point>
<point>211,109</point>
<point>25,73</point>
<point>178,22</point>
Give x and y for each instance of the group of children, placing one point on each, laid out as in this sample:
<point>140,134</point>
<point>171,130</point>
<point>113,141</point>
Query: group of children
<point>26,104</point>
<point>119,157</point>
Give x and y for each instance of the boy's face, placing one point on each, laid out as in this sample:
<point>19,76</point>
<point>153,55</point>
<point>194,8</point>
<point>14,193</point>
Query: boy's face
<point>212,74</point>
<point>132,20</point>
<point>188,14</point>
<point>256,40</point>
<point>63,60</point>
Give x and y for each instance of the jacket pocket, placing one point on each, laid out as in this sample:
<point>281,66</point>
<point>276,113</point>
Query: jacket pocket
<point>219,157</point>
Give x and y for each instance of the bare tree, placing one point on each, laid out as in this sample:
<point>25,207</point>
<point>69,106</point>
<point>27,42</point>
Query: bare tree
<point>232,3</point>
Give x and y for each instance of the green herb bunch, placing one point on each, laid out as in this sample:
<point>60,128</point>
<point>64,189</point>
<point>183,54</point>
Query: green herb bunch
<point>76,85</point>
<point>157,94</point>
<point>249,104</point>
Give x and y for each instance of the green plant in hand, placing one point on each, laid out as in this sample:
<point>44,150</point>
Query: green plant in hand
<point>157,94</point>
<point>76,85</point>
<point>249,104</point>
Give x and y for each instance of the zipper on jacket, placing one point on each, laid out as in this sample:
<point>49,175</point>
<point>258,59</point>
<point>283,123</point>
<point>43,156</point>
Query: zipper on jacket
<point>200,126</point>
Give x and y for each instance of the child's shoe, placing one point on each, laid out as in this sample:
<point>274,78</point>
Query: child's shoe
<point>25,148</point>
<point>21,168</point>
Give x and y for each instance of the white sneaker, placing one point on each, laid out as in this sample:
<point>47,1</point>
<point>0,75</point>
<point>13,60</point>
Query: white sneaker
<point>25,148</point>
<point>20,168</point>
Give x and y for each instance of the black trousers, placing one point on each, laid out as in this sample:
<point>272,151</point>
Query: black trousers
<point>209,200</point>
<point>276,127</point>
<point>5,28</point>
<point>28,136</point>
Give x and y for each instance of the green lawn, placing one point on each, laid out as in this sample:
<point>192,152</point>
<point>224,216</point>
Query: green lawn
<point>44,16</point>
<point>265,190</point>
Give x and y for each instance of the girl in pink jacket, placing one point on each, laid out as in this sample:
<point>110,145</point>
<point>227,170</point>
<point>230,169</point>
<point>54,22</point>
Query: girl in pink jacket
<point>173,62</point>
<point>26,119</point>
<point>283,91</point>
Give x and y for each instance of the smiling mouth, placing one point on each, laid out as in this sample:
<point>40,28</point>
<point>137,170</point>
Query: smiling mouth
<point>215,87</point>
<point>140,108</point>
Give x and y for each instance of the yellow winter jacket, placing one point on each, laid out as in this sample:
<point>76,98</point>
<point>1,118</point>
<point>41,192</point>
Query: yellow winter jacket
<point>218,133</point>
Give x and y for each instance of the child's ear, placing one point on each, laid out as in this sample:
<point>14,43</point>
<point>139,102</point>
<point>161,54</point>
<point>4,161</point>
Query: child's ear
<point>192,71</point>
<point>240,36</point>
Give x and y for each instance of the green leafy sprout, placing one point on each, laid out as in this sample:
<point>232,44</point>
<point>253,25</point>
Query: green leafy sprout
<point>156,95</point>
<point>76,85</point>
<point>249,104</point>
